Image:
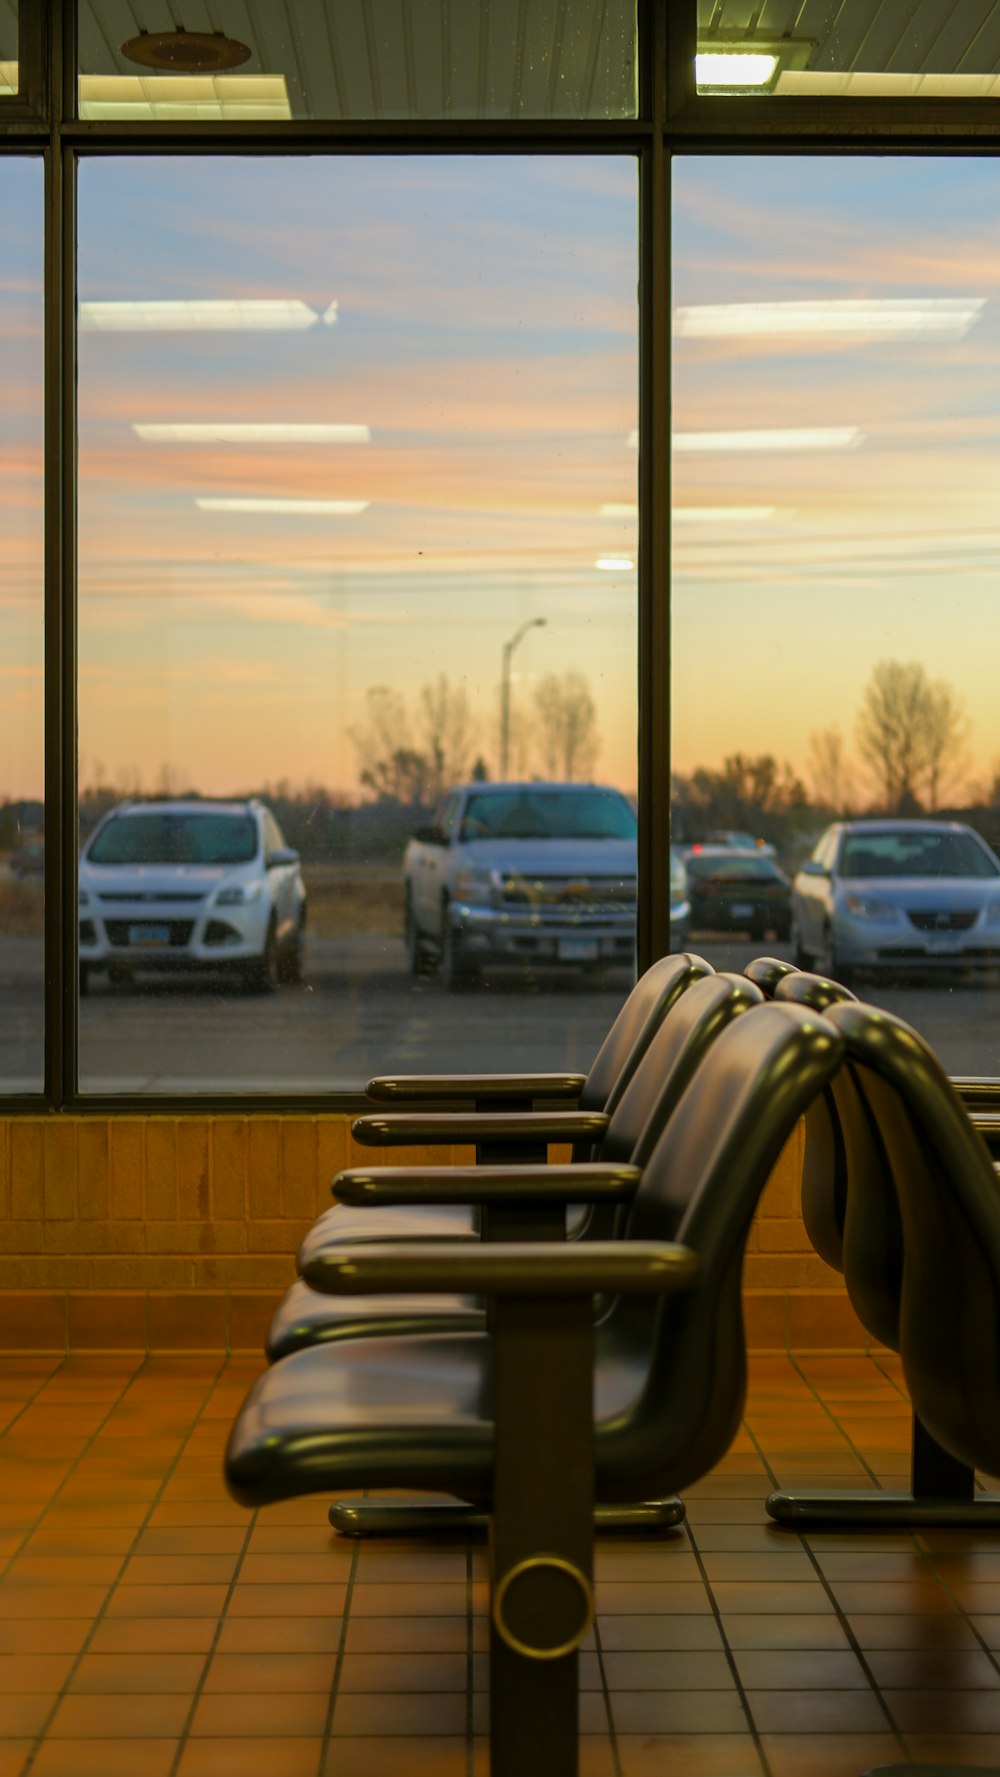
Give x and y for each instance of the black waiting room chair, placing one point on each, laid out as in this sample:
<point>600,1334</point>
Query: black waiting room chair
<point>552,1408</point>
<point>861,1138</point>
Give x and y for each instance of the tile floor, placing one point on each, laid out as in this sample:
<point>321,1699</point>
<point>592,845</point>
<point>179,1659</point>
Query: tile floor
<point>150,1626</point>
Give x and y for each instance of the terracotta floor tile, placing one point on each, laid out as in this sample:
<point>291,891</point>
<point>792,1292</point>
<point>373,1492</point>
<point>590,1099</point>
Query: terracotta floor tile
<point>933,1670</point>
<point>701,1755</point>
<point>817,1712</point>
<point>405,1601</point>
<point>912,1630</point>
<point>767,1597</point>
<point>290,1601</point>
<point>677,1712</point>
<point>105,1758</point>
<point>795,1669</point>
<point>179,1570</point>
<point>774,1566</point>
<point>416,1713</point>
<point>667,1670</point>
<point>167,1601</point>
<point>27,1713</point>
<point>829,1755</point>
<point>13,1756</point>
<point>268,1673</point>
<point>278,1714</point>
<point>945,1712</point>
<point>799,1630</point>
<point>44,1635</point>
<point>399,1674</point>
<point>261,1757</point>
<point>434,1756</point>
<point>19,1603</point>
<point>219,1539</point>
<point>280,1635</point>
<point>954,1749</point>
<point>889,1599</point>
<point>153,1635</point>
<point>651,1598</point>
<point>33,1672</point>
<point>141,1716</point>
<point>325,1566</point>
<point>620,1634</point>
<point>142,1673</point>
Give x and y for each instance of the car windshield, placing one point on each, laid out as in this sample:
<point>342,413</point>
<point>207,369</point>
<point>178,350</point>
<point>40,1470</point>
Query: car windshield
<point>739,866</point>
<point>917,853</point>
<point>173,838</point>
<point>548,814</point>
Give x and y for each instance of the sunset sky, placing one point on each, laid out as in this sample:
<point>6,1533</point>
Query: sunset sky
<point>478,318</point>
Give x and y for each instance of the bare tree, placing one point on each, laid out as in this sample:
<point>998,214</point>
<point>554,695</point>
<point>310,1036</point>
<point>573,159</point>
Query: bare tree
<point>566,719</point>
<point>910,731</point>
<point>448,731</point>
<point>829,772</point>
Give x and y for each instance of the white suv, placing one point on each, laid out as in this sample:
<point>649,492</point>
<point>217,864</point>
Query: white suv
<point>198,884</point>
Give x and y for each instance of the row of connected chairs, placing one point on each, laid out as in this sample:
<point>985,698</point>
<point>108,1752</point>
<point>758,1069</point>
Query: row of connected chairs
<point>553,1406</point>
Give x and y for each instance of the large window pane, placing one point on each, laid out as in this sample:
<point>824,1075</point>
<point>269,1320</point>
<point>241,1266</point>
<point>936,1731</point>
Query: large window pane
<point>357,525</point>
<point>363,59</point>
<point>860,49</point>
<point>837,343</point>
<point>21,748</point>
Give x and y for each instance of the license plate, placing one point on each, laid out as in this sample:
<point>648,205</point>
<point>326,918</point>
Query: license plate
<point>945,941</point>
<point>742,909</point>
<point>149,935</point>
<point>578,950</point>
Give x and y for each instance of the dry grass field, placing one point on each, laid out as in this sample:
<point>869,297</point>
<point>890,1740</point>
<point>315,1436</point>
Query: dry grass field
<point>345,900</point>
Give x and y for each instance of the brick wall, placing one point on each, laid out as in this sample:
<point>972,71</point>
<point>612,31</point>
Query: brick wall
<point>179,1233</point>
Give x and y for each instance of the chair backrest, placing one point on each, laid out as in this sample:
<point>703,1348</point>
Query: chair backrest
<point>656,990</point>
<point>766,971</point>
<point>670,1062</point>
<point>702,1185</point>
<point>949,1206</point>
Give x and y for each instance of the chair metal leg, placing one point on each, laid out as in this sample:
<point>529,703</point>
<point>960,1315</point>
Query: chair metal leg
<point>405,1517</point>
<point>942,1493</point>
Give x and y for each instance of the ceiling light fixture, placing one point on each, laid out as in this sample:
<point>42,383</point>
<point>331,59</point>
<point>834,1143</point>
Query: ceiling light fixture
<point>186,52</point>
<point>310,508</point>
<point>734,70</point>
<point>279,315</point>
<point>238,432</point>
<point>724,514</point>
<point>614,564</point>
<point>173,98</point>
<point>778,438</point>
<point>897,317</point>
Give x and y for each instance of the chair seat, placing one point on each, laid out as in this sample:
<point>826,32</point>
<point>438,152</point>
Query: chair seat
<point>343,1222</point>
<point>410,1411</point>
<point>307,1317</point>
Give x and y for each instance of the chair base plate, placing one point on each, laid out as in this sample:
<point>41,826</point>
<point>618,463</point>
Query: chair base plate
<point>868,1506</point>
<point>405,1517</point>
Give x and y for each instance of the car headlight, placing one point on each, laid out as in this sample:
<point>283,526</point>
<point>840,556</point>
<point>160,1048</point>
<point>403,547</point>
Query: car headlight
<point>992,913</point>
<point>238,894</point>
<point>475,886</point>
<point>867,907</point>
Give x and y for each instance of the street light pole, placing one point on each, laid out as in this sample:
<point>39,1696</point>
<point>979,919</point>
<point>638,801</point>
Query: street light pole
<point>508,649</point>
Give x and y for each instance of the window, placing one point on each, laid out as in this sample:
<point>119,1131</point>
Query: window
<point>355,478</point>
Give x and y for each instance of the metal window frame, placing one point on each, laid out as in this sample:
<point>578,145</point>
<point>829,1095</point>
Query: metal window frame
<point>672,120</point>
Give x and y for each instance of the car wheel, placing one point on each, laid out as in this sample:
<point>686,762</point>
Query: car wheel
<point>291,961</point>
<point>802,957</point>
<point>417,959</point>
<point>262,975</point>
<point>121,976</point>
<point>828,962</point>
<point>457,973</point>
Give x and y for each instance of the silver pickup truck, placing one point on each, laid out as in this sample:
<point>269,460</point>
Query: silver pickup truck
<point>529,873</point>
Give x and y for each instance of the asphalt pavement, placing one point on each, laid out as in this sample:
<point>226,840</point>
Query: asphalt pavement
<point>359,1012</point>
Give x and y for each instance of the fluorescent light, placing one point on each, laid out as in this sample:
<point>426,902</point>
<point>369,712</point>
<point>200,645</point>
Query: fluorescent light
<point>330,314</point>
<point>8,79</point>
<point>166,98</point>
<point>726,69</point>
<point>633,439</point>
<point>612,509</point>
<point>226,432</point>
<point>614,564</point>
<point>778,438</point>
<point>858,85</point>
<point>724,514</point>
<point>265,315</point>
<point>943,316</point>
<point>342,508</point>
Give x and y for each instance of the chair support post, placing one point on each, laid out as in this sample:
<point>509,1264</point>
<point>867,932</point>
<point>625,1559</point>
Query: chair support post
<point>936,1474</point>
<point>541,1532</point>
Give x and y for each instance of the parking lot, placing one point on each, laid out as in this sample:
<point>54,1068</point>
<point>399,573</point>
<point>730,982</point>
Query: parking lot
<point>359,1012</point>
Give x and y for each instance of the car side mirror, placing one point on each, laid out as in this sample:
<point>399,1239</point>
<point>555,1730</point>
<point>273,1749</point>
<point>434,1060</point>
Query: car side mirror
<point>282,854</point>
<point>430,836</point>
<point>813,867</point>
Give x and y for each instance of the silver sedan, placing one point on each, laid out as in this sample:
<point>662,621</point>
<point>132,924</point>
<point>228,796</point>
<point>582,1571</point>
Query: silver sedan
<point>894,894</point>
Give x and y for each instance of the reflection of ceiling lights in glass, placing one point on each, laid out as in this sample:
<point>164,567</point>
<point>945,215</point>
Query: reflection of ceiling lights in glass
<point>308,508</point>
<point>186,52</point>
<point>175,317</point>
<point>226,432</point>
<point>614,564</point>
<point>857,84</point>
<point>734,70</point>
<point>724,514</point>
<point>776,438</point>
<point>895,317</point>
<point>8,79</point>
<point>172,98</point>
<point>615,509</point>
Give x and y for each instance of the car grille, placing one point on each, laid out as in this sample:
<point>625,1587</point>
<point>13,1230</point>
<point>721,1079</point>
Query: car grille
<point>569,895</point>
<point>179,929</point>
<point>150,899</point>
<point>943,921</point>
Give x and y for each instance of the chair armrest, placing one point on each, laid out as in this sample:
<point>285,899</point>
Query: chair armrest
<point>449,1088</point>
<point>403,1128</point>
<point>531,1268</point>
<point>588,1183</point>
